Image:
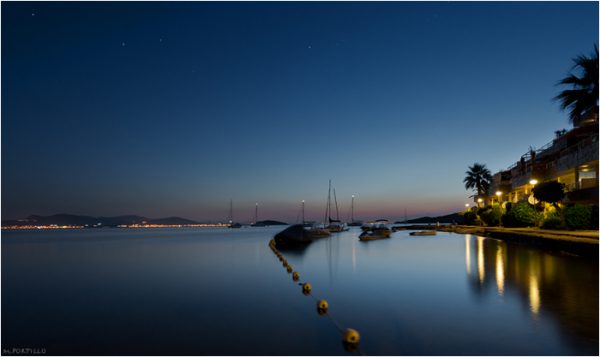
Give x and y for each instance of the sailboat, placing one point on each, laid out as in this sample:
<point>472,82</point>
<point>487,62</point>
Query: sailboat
<point>353,223</point>
<point>231,223</point>
<point>335,225</point>
<point>256,222</point>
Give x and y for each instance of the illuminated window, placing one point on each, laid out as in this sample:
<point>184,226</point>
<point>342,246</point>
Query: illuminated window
<point>587,178</point>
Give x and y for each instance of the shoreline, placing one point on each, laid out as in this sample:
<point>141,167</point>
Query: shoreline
<point>582,243</point>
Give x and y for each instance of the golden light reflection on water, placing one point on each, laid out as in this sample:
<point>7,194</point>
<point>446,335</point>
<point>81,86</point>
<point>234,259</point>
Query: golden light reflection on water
<point>500,269</point>
<point>480,260</point>
<point>468,253</point>
<point>534,295</point>
<point>549,286</point>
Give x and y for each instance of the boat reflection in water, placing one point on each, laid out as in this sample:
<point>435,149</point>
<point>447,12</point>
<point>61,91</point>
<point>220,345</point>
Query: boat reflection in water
<point>549,284</point>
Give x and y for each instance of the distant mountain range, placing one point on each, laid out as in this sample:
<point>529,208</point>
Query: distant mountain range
<point>449,218</point>
<point>75,220</point>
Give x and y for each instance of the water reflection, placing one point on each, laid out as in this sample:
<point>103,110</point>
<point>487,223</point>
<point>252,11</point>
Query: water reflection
<point>468,253</point>
<point>534,295</point>
<point>553,286</point>
<point>354,255</point>
<point>500,269</point>
<point>480,260</point>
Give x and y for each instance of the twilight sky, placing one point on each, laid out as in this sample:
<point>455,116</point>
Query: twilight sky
<point>162,109</point>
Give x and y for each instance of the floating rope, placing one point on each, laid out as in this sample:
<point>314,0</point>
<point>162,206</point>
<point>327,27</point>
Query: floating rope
<point>350,337</point>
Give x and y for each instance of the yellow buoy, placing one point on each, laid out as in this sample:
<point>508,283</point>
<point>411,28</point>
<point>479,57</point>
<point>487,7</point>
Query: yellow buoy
<point>322,306</point>
<point>351,336</point>
<point>289,269</point>
<point>295,276</point>
<point>306,288</point>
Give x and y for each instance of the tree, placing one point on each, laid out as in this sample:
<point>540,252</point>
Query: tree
<point>550,191</point>
<point>478,178</point>
<point>582,98</point>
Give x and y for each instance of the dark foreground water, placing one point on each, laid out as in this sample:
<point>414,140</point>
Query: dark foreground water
<point>223,292</point>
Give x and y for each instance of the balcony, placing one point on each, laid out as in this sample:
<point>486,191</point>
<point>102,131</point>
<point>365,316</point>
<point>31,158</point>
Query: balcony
<point>583,152</point>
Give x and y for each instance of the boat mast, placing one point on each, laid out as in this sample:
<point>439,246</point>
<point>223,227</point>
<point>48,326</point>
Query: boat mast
<point>337,213</point>
<point>328,208</point>
<point>352,210</point>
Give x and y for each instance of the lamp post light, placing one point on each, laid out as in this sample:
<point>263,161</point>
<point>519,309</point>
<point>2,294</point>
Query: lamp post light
<point>479,201</point>
<point>499,194</point>
<point>532,199</point>
<point>467,206</point>
<point>533,182</point>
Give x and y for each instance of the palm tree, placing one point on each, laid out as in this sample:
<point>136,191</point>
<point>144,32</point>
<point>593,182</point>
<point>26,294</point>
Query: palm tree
<point>582,99</point>
<point>478,178</point>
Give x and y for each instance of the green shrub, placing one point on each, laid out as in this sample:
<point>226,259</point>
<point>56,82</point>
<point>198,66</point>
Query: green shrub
<point>521,215</point>
<point>553,221</point>
<point>578,217</point>
<point>492,216</point>
<point>471,218</point>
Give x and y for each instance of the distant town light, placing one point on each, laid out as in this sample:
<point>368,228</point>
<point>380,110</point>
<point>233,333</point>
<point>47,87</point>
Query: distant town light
<point>533,182</point>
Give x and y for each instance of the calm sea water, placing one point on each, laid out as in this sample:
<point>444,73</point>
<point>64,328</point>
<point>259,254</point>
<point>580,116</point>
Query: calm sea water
<point>223,292</point>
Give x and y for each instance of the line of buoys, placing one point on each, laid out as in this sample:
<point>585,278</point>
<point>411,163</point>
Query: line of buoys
<point>322,307</point>
<point>306,288</point>
<point>350,337</point>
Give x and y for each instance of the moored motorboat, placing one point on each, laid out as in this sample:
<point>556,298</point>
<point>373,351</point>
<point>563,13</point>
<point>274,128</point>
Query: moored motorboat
<point>375,233</point>
<point>423,233</point>
<point>376,230</point>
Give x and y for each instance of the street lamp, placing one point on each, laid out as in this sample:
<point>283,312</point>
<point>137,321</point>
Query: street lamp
<point>499,194</point>
<point>467,206</point>
<point>479,201</point>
